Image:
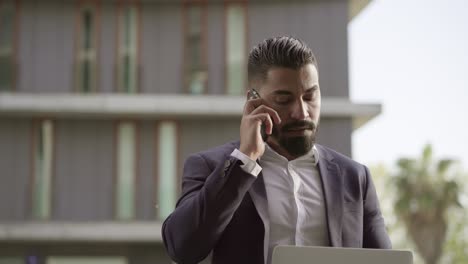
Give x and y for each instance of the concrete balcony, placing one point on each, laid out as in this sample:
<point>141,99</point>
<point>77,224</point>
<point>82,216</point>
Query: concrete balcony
<point>101,232</point>
<point>150,106</point>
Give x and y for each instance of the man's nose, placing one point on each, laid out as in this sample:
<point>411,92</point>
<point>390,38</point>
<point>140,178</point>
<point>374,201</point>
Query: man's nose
<point>299,111</point>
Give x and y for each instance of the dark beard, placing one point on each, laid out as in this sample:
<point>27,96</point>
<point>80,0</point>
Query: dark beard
<point>298,145</point>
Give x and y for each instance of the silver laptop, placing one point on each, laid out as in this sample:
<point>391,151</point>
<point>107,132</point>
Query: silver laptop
<point>330,255</point>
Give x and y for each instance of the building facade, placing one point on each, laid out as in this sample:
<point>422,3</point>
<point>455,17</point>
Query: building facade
<point>102,101</point>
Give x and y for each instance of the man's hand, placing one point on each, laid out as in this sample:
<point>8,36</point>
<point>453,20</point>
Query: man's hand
<point>256,113</point>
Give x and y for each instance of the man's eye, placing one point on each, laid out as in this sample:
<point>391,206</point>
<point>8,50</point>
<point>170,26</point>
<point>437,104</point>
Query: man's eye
<point>310,96</point>
<point>282,99</point>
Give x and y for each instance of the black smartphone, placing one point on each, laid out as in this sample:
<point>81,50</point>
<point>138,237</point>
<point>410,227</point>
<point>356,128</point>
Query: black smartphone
<point>253,94</point>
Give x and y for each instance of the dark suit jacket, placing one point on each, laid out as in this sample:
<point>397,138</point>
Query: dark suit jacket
<point>224,210</point>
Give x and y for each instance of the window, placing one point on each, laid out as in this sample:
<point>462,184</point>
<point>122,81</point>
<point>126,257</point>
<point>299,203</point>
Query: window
<point>127,65</point>
<point>126,170</point>
<point>86,52</point>
<point>236,47</point>
<point>167,168</point>
<point>196,74</point>
<point>7,44</point>
<point>86,260</point>
<point>43,160</point>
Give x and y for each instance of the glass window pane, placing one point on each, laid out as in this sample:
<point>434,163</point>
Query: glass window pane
<point>7,22</point>
<point>126,167</point>
<point>88,28</point>
<point>126,72</point>
<point>86,75</point>
<point>236,53</point>
<point>195,71</point>
<point>194,19</point>
<point>195,53</point>
<point>7,16</point>
<point>86,54</point>
<point>198,81</point>
<point>167,171</point>
<point>127,21</point>
<point>129,26</point>
<point>86,260</point>
<point>43,170</point>
<point>128,29</point>
<point>6,73</point>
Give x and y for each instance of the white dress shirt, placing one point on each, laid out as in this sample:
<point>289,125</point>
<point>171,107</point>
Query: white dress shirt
<point>296,205</point>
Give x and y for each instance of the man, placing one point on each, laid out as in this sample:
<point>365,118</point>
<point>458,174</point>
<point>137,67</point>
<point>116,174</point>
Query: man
<point>241,199</point>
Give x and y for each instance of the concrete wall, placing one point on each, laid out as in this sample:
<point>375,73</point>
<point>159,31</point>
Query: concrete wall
<point>216,49</point>
<point>15,169</point>
<point>199,135</point>
<point>46,43</point>
<point>83,181</point>
<point>336,134</point>
<point>162,48</point>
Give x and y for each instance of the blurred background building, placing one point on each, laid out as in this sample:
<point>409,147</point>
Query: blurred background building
<point>101,102</point>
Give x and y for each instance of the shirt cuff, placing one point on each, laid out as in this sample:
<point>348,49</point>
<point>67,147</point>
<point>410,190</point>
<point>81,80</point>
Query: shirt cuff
<point>250,166</point>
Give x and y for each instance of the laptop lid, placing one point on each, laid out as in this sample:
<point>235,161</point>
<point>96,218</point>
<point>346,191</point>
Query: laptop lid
<point>331,255</point>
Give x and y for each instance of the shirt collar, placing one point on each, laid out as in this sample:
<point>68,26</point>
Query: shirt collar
<point>311,156</point>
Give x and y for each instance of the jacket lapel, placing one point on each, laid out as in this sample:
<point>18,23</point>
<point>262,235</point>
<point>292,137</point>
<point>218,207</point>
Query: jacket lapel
<point>258,194</point>
<point>332,184</point>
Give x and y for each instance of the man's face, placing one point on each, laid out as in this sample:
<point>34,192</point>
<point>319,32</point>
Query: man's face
<point>295,95</point>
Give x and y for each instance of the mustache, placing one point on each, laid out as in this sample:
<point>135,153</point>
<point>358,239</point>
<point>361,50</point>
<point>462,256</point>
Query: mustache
<point>307,124</point>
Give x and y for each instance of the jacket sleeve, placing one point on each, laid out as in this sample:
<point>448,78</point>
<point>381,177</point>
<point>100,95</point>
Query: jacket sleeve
<point>210,196</point>
<point>374,232</point>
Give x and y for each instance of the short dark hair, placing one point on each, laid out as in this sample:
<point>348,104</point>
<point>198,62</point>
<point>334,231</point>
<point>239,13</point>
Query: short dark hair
<point>283,51</point>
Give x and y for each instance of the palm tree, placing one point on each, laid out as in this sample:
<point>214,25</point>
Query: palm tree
<point>423,196</point>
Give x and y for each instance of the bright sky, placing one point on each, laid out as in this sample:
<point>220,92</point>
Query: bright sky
<point>412,57</point>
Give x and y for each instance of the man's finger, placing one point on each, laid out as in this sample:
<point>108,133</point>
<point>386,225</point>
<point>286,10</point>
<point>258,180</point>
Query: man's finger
<point>265,109</point>
<point>251,105</point>
<point>265,118</point>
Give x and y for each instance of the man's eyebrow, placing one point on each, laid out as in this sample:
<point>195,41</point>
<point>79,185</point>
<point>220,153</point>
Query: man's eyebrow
<point>311,89</point>
<point>282,92</point>
<point>286,92</point>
